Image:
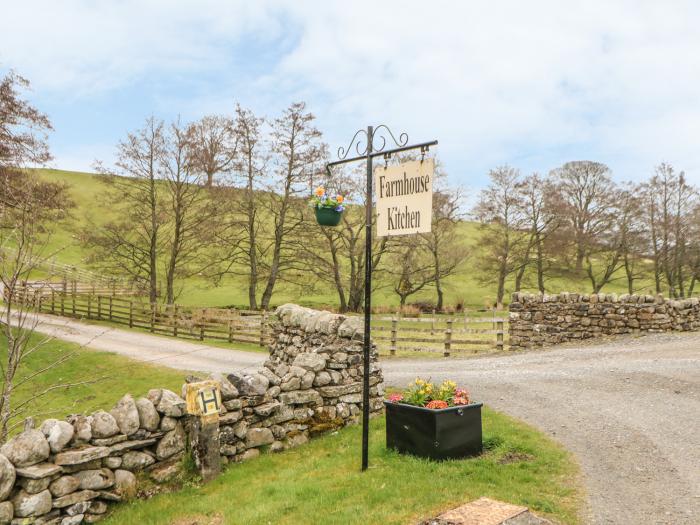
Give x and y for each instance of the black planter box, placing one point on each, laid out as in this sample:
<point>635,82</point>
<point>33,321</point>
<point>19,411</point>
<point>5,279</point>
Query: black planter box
<point>450,433</point>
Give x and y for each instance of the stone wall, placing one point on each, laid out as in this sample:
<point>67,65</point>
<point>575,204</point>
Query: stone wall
<point>540,320</point>
<point>67,472</point>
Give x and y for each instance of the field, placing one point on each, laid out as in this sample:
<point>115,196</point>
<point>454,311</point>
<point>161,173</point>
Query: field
<point>465,286</point>
<point>321,482</point>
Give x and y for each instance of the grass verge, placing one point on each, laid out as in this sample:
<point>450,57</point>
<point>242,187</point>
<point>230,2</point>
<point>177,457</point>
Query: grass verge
<point>320,483</point>
<point>120,376</point>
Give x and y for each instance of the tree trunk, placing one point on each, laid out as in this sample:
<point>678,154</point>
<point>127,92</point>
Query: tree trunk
<point>540,266</point>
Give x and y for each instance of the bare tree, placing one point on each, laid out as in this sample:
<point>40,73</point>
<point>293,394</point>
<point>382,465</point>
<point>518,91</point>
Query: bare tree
<point>23,128</point>
<point>30,208</point>
<point>502,226</point>
<point>444,244</point>
<point>670,203</point>
<point>296,146</point>
<point>192,216</point>
<point>214,145</point>
<point>131,243</point>
<point>585,188</point>
<point>336,256</point>
<point>538,207</point>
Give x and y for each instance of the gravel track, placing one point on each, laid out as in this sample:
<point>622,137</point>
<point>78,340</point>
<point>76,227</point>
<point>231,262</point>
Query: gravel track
<point>629,408</point>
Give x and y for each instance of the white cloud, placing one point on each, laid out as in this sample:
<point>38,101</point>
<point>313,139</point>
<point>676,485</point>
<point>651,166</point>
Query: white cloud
<point>530,83</point>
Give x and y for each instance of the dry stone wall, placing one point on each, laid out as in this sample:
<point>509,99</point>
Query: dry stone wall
<point>541,320</point>
<point>68,472</point>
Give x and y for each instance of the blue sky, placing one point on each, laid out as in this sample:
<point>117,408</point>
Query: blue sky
<point>530,84</point>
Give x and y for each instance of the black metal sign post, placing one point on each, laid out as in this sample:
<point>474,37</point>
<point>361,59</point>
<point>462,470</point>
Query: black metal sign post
<point>370,151</point>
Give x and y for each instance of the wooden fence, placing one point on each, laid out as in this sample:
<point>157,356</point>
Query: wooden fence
<point>394,335</point>
<point>445,334</point>
<point>241,326</point>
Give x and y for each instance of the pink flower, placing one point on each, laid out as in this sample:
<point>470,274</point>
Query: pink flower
<point>461,400</point>
<point>437,404</point>
<point>395,398</point>
<point>462,392</point>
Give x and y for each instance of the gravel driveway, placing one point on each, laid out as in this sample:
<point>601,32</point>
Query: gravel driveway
<point>628,409</point>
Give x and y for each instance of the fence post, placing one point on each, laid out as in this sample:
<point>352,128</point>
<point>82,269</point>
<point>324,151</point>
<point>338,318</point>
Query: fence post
<point>110,307</point>
<point>448,338</point>
<point>73,299</point>
<point>263,327</point>
<point>230,330</point>
<point>99,307</point>
<point>432,323</point>
<point>131,314</point>
<point>394,326</point>
<point>201,331</point>
<point>53,301</point>
<point>63,303</point>
<point>153,317</point>
<point>89,306</point>
<point>176,315</point>
<point>499,335</point>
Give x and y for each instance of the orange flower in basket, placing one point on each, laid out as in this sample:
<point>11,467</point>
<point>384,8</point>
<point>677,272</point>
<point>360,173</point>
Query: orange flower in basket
<point>339,199</point>
<point>320,191</point>
<point>437,404</point>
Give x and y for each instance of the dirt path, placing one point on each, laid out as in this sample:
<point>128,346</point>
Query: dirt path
<point>629,409</point>
<point>159,350</point>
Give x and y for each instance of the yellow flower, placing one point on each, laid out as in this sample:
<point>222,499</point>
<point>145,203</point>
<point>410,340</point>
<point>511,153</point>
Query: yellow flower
<point>339,199</point>
<point>320,191</point>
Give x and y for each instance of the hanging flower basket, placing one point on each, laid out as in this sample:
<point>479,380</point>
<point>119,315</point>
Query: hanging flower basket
<point>329,210</point>
<point>328,216</point>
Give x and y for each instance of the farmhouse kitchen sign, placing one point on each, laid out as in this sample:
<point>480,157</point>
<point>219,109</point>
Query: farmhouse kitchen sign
<point>404,197</point>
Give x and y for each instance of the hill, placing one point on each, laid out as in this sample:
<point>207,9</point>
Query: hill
<point>464,287</point>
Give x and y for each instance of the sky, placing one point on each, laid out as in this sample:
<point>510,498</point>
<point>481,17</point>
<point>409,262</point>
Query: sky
<point>530,84</point>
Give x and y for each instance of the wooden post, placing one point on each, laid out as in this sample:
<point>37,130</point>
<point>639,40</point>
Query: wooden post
<point>53,301</point>
<point>89,306</point>
<point>73,299</point>
<point>131,314</point>
<point>153,317</point>
<point>176,318</point>
<point>230,330</point>
<point>63,303</point>
<point>99,307</point>
<point>201,332</point>
<point>394,326</point>
<point>448,338</point>
<point>432,323</point>
<point>110,307</point>
<point>203,402</point>
<point>499,335</point>
<point>263,326</point>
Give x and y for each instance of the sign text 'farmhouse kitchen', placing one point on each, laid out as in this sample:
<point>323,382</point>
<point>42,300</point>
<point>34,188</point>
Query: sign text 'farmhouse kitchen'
<point>404,197</point>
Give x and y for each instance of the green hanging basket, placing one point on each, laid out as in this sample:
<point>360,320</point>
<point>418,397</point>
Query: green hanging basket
<point>328,216</point>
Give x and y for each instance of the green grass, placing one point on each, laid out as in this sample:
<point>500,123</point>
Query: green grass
<point>321,483</point>
<point>86,188</point>
<point>122,376</point>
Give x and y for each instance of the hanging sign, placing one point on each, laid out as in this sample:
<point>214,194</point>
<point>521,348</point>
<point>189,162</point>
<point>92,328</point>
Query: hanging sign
<point>404,197</point>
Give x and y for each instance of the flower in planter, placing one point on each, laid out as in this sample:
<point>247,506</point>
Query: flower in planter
<point>321,200</point>
<point>423,393</point>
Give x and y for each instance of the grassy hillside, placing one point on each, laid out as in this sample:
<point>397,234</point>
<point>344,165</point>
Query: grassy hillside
<point>86,188</point>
